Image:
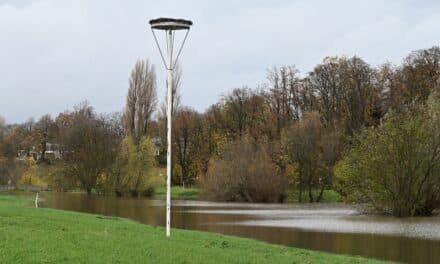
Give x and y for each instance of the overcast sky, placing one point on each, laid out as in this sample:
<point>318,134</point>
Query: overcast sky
<point>57,53</point>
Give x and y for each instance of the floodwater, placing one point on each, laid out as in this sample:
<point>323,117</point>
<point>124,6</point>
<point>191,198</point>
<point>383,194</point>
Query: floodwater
<point>332,228</point>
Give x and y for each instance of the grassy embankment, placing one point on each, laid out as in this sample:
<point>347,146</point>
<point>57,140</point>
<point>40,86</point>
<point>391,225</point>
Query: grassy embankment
<point>38,176</point>
<point>329,196</point>
<point>193,193</point>
<point>178,193</point>
<point>30,235</point>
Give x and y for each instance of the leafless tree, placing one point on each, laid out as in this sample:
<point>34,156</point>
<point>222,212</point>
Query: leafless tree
<point>284,95</point>
<point>177,82</point>
<point>412,82</point>
<point>141,99</point>
<point>92,146</point>
<point>2,127</point>
<point>176,97</point>
<point>236,107</point>
<point>346,93</point>
<point>421,74</point>
<point>162,117</point>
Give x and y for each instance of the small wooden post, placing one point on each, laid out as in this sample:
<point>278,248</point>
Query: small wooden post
<point>36,200</point>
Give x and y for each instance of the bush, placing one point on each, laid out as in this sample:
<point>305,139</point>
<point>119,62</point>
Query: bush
<point>131,172</point>
<point>10,171</point>
<point>32,175</point>
<point>395,168</point>
<point>244,172</point>
<point>41,174</point>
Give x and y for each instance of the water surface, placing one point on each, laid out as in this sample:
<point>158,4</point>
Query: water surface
<point>332,228</point>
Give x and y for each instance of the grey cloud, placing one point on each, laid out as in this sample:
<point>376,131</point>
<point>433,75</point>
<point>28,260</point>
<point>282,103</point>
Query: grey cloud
<point>56,53</point>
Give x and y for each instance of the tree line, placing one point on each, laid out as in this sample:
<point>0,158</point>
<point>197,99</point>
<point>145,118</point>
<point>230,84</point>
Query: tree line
<point>372,133</point>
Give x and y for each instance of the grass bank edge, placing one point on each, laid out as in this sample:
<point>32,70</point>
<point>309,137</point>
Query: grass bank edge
<point>48,235</point>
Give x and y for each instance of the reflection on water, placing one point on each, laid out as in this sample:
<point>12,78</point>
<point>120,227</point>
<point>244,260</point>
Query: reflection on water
<point>332,228</point>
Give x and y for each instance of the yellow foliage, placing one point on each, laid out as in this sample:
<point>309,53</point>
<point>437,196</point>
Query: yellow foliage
<point>292,174</point>
<point>134,168</point>
<point>33,174</point>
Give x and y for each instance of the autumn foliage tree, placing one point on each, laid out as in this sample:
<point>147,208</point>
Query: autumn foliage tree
<point>313,149</point>
<point>91,147</point>
<point>45,131</point>
<point>187,145</point>
<point>346,93</point>
<point>395,168</point>
<point>8,168</point>
<point>244,146</point>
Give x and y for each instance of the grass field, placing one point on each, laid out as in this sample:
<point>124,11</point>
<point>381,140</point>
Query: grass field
<point>179,193</point>
<point>30,235</point>
<point>193,193</point>
<point>329,196</point>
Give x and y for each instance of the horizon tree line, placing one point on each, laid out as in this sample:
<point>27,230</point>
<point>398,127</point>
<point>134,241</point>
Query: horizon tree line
<point>301,126</point>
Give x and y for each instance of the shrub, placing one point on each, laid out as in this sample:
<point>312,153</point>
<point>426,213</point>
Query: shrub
<point>10,170</point>
<point>243,172</point>
<point>395,168</point>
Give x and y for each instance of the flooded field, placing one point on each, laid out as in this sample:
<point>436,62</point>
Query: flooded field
<point>333,228</point>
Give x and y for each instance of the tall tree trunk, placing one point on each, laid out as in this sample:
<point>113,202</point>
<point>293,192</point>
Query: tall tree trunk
<point>309,182</point>
<point>43,150</point>
<point>320,193</point>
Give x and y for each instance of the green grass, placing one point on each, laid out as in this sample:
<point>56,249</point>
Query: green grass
<point>329,196</point>
<point>179,193</point>
<point>193,193</point>
<point>30,235</point>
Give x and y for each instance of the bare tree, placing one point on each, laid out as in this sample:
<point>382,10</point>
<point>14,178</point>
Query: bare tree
<point>162,118</point>
<point>187,142</point>
<point>141,99</point>
<point>176,97</point>
<point>177,82</point>
<point>92,146</point>
<point>345,90</point>
<point>236,107</point>
<point>283,95</point>
<point>2,127</point>
<point>421,74</point>
<point>315,149</point>
<point>412,82</point>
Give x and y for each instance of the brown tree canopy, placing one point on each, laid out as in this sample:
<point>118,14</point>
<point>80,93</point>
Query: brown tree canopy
<point>187,144</point>
<point>345,92</point>
<point>284,95</point>
<point>91,146</point>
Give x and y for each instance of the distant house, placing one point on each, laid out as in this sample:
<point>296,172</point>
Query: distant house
<point>22,155</point>
<point>53,152</point>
